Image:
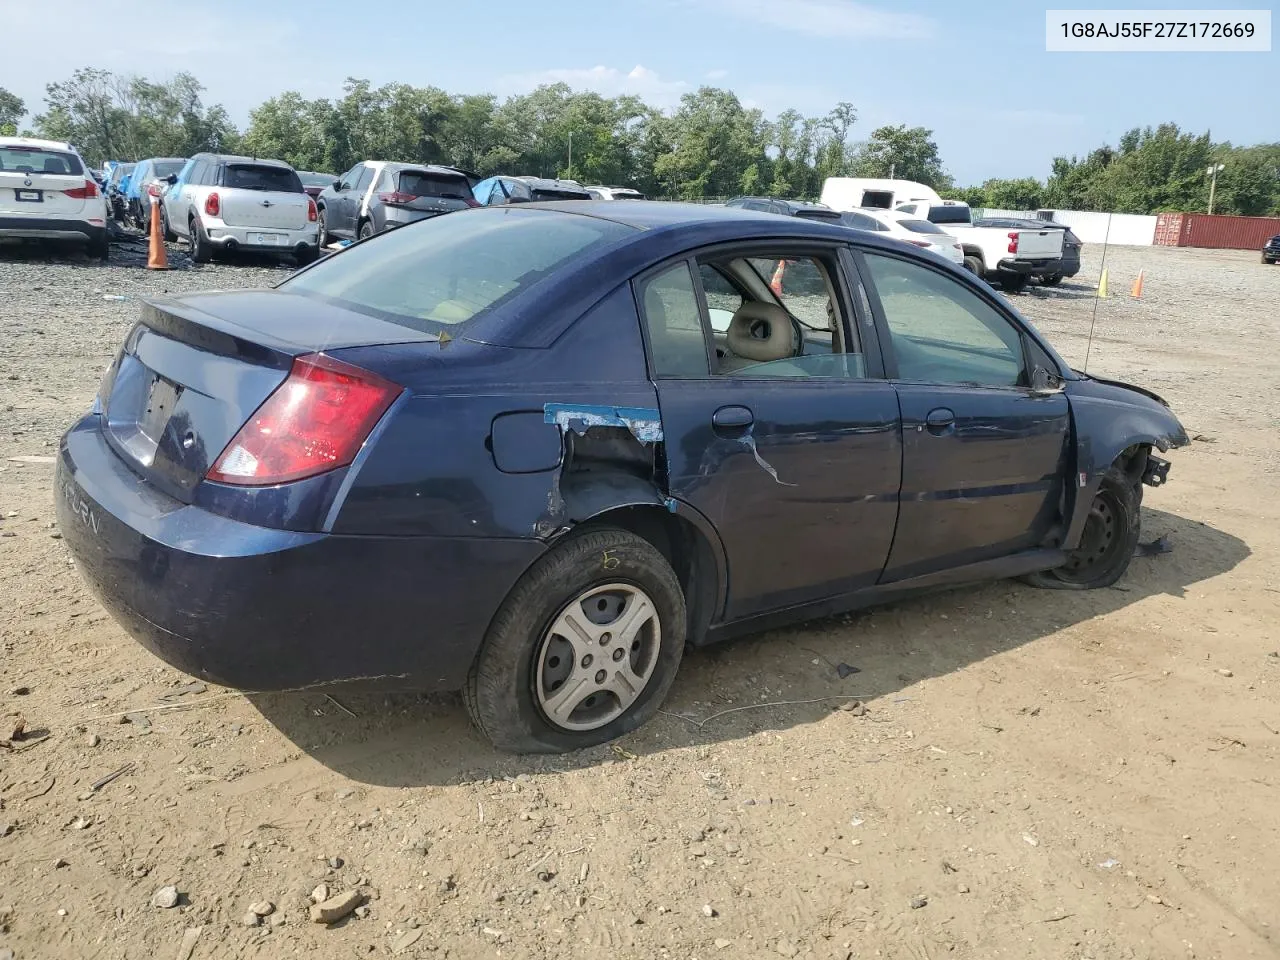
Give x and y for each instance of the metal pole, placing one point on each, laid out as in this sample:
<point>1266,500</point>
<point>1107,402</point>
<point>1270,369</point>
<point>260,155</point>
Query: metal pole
<point>1213,185</point>
<point>570,177</point>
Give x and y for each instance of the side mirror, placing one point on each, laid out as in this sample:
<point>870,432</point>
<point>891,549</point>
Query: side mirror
<point>171,179</point>
<point>337,184</point>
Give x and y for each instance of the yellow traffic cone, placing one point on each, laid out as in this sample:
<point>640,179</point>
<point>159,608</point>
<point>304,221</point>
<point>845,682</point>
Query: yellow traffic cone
<point>1136,292</point>
<point>1102,285</point>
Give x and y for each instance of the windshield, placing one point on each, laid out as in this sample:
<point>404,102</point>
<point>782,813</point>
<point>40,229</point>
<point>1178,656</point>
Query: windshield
<point>243,176</point>
<point>921,226</point>
<point>447,270</point>
<point>542,194</point>
<point>122,171</point>
<point>37,160</point>
<point>165,168</point>
<point>316,179</point>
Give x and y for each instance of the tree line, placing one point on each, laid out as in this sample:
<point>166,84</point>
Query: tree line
<point>710,146</point>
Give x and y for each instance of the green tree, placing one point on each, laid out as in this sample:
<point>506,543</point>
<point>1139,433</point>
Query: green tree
<point>1024,193</point>
<point>12,110</point>
<point>907,153</point>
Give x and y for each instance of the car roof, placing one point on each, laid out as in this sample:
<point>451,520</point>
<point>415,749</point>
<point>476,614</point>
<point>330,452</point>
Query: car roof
<point>35,142</point>
<point>546,183</point>
<point>234,158</point>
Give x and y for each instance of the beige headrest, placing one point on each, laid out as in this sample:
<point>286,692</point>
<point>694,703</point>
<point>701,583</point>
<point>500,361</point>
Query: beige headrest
<point>761,332</point>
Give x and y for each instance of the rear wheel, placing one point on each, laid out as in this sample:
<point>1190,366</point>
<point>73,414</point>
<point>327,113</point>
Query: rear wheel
<point>201,248</point>
<point>366,229</point>
<point>1013,282</point>
<point>584,648</point>
<point>973,265</point>
<point>1110,536</point>
<point>169,235</point>
<point>323,232</point>
<point>1052,281</point>
<point>101,247</point>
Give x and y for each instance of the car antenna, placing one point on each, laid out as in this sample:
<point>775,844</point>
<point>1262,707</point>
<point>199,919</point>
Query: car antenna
<point>1097,295</point>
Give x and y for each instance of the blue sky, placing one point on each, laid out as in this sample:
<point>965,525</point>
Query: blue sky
<point>976,73</point>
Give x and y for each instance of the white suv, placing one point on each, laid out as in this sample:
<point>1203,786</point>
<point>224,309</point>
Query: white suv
<point>47,193</point>
<point>226,203</point>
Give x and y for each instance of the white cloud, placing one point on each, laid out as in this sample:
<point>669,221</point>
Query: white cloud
<point>846,19</point>
<point>606,81</point>
<point>717,74</point>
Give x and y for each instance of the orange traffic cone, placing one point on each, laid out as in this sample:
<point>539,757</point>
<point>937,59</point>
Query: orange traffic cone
<point>776,283</point>
<point>1137,286</point>
<point>157,258</point>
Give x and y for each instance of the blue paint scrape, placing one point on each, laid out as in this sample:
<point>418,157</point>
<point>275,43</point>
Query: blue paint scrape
<point>645,423</point>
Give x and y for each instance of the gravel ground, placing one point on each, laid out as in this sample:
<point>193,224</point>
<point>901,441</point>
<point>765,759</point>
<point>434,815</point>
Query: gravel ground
<point>1036,774</point>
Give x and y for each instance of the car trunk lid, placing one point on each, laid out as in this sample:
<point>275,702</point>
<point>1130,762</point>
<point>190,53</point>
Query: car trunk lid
<point>39,182</point>
<point>1038,244</point>
<point>262,195</point>
<point>423,191</point>
<point>193,371</point>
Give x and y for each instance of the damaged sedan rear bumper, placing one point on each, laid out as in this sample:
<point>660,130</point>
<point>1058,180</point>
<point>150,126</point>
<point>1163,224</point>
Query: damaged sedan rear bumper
<point>264,609</point>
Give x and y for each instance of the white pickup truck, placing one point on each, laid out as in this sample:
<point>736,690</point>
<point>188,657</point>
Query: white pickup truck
<point>994,253</point>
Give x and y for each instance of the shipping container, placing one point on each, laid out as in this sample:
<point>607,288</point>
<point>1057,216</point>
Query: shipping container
<point>1217,232</point>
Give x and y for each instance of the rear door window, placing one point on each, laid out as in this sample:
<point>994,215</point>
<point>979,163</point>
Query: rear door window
<point>246,176</point>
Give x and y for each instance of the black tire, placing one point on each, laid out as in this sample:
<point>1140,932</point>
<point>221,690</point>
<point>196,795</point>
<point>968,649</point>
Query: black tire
<point>323,232</point>
<point>974,266</point>
<point>100,248</point>
<point>366,229</point>
<point>1052,281</point>
<point>169,235</point>
<point>1110,537</point>
<point>201,248</point>
<point>500,691</point>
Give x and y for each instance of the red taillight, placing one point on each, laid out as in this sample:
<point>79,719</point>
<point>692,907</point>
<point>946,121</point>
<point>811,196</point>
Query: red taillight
<point>90,189</point>
<point>312,214</point>
<point>153,189</point>
<point>315,421</point>
<point>1013,242</point>
<point>213,204</point>
<point>471,201</point>
<point>397,199</point>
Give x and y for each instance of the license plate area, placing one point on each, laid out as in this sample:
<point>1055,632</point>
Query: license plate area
<point>28,196</point>
<point>139,410</point>
<point>266,239</point>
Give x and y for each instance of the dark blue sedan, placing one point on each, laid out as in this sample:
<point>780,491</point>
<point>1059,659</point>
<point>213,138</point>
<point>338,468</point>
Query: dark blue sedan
<point>530,452</point>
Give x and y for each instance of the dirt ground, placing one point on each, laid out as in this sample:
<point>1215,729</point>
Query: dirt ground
<point>1037,774</point>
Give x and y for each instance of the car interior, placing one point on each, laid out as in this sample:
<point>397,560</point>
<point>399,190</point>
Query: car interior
<point>755,331</point>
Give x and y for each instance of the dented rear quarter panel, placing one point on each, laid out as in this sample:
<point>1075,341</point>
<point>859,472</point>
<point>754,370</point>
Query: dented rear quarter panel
<point>442,469</point>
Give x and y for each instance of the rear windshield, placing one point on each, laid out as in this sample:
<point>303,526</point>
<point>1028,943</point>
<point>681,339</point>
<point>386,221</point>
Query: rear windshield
<point>17,159</point>
<point>921,226</point>
<point>165,168</point>
<point>447,270</point>
<point>539,194</point>
<point>316,179</point>
<point>244,176</point>
<point>420,183</point>
<point>628,195</point>
<point>949,214</point>
<point>122,171</point>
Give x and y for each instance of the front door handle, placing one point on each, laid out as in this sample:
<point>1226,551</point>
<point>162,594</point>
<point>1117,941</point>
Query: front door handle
<point>732,418</point>
<point>940,420</point>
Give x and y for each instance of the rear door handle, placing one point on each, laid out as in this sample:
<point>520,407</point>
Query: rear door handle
<point>732,418</point>
<point>940,420</point>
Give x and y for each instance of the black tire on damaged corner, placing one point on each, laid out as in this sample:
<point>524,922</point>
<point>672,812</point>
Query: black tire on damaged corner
<point>499,691</point>
<point>366,229</point>
<point>100,248</point>
<point>1110,538</point>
